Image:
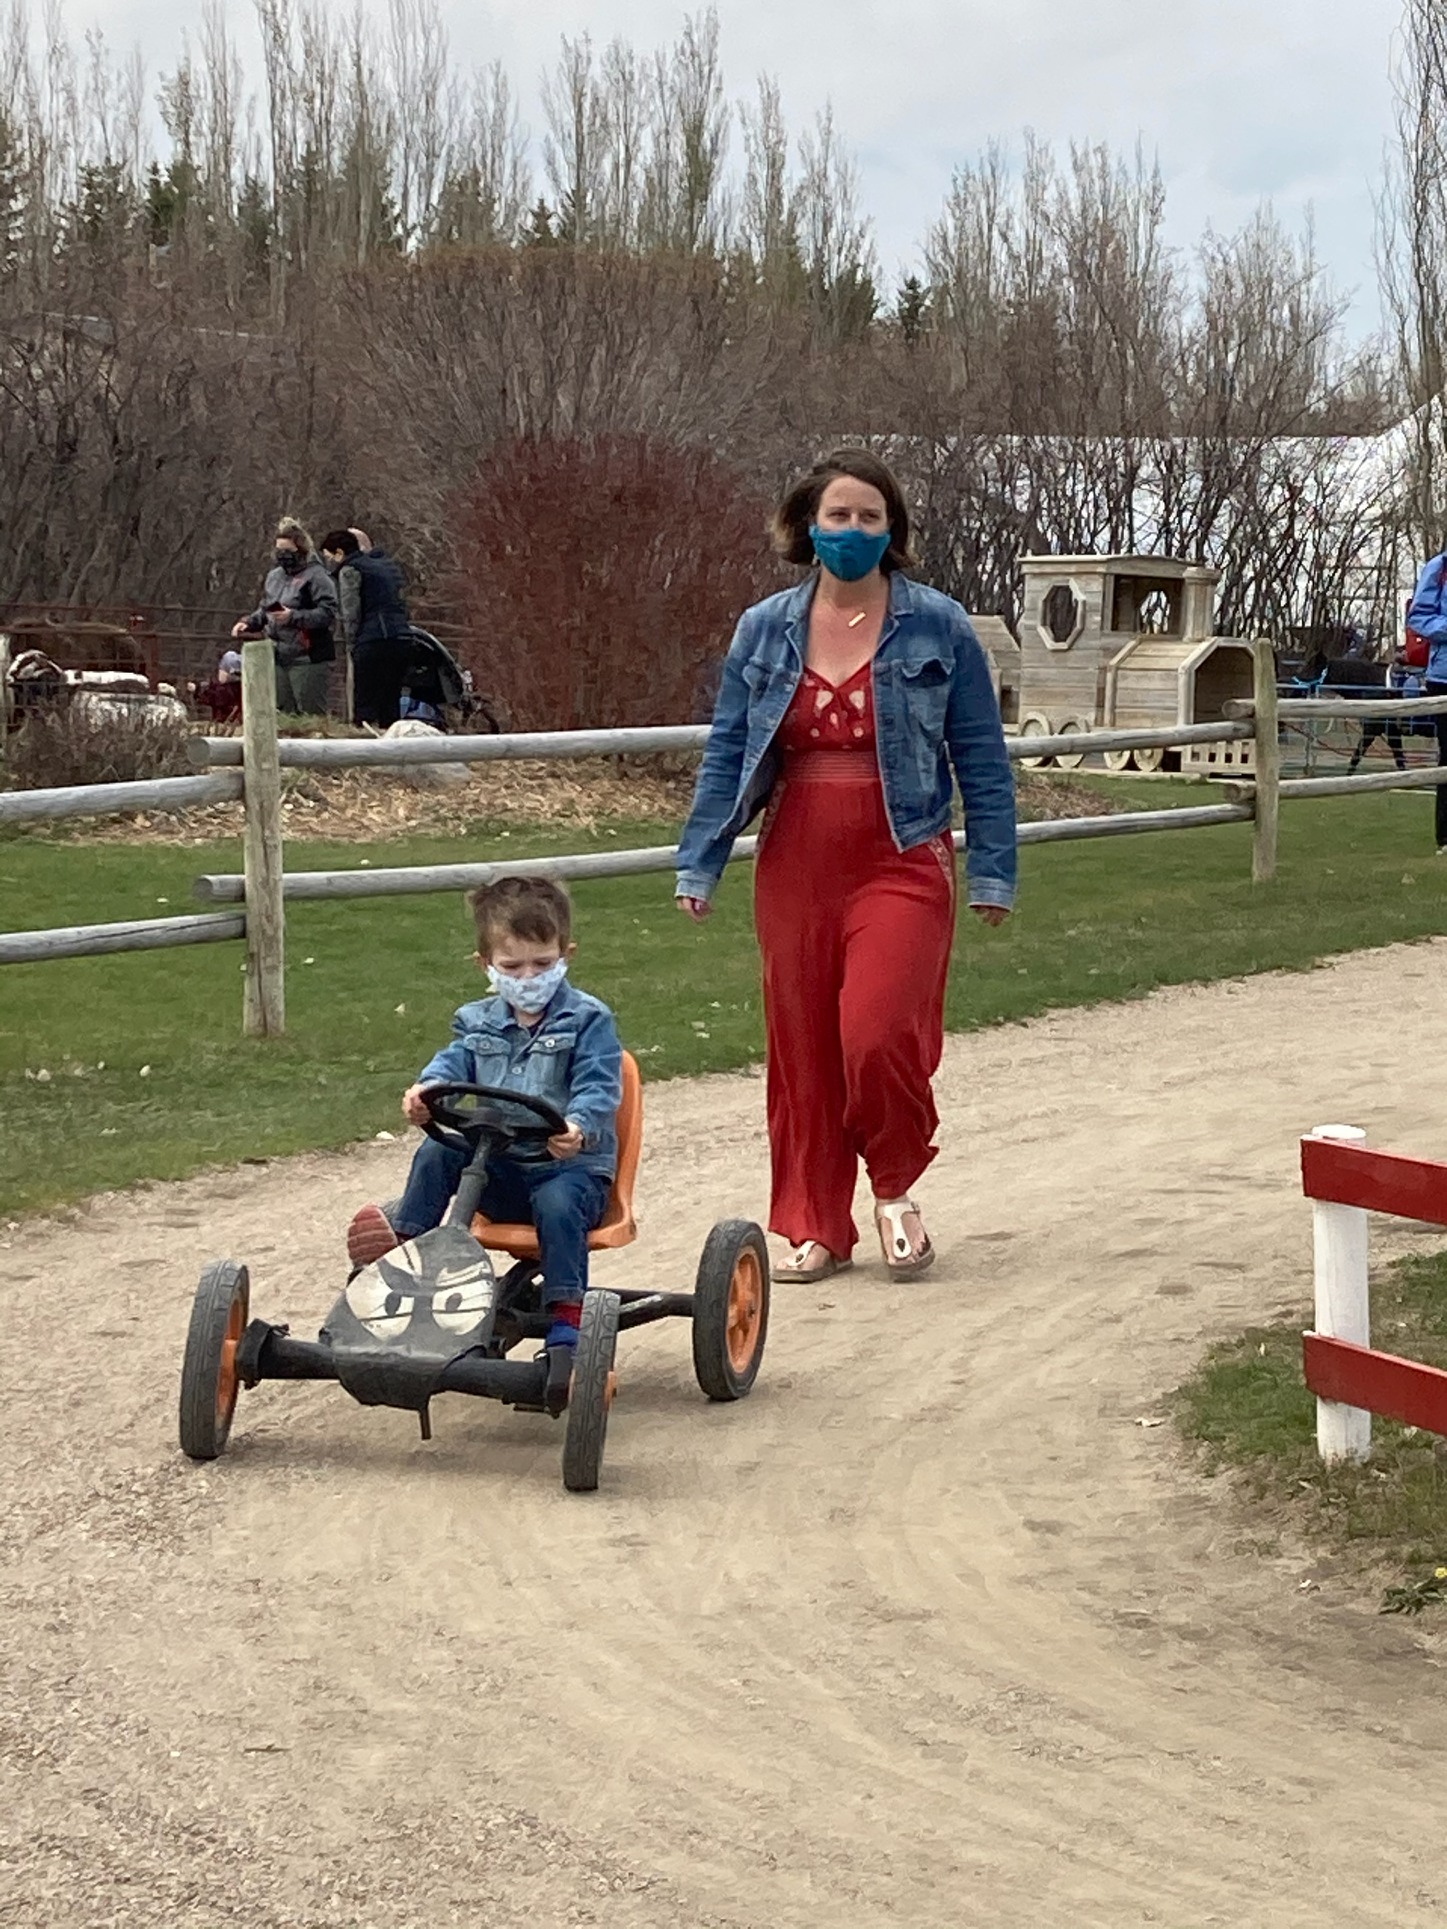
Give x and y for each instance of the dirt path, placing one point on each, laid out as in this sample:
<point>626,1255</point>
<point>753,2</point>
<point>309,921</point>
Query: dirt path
<point>928,1631</point>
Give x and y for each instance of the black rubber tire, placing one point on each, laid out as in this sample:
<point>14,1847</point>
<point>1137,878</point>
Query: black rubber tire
<point>589,1398</point>
<point>219,1312</point>
<point>734,1247</point>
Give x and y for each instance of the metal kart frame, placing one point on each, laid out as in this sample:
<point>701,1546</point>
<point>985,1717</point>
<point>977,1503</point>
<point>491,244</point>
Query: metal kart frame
<point>269,1352</point>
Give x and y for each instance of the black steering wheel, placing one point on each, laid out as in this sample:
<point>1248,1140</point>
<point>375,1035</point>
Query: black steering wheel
<point>507,1115</point>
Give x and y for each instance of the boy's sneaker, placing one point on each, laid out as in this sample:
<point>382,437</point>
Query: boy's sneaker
<point>562,1345</point>
<point>370,1234</point>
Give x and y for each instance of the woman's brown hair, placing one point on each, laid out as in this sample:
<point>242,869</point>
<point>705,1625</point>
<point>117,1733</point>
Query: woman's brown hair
<point>800,507</point>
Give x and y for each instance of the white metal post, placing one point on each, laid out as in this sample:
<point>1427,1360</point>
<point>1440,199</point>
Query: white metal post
<point>1343,1305</point>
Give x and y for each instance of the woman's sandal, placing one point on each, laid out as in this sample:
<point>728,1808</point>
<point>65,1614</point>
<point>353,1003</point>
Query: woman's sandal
<point>793,1270</point>
<point>901,1259</point>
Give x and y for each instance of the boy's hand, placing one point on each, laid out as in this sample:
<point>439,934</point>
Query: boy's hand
<point>413,1107</point>
<point>567,1145</point>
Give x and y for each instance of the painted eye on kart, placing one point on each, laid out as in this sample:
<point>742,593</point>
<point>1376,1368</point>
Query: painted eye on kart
<point>385,1312</point>
<point>460,1300</point>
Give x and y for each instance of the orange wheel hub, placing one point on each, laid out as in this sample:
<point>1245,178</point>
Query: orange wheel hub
<point>746,1310</point>
<point>226,1380</point>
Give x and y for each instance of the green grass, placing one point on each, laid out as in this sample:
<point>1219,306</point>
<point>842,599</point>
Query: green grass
<point>1104,920</point>
<point>1248,1408</point>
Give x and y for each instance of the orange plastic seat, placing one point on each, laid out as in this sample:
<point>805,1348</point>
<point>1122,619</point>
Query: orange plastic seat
<point>618,1227</point>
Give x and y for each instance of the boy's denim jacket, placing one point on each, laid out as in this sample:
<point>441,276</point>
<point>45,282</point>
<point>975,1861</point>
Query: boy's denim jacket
<point>571,1058</point>
<point>934,706</point>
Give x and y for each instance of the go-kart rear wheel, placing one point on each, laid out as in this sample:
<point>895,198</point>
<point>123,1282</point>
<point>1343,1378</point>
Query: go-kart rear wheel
<point>730,1309</point>
<point>209,1382</point>
<point>591,1393</point>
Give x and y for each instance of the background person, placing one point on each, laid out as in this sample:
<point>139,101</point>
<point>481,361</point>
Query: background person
<point>376,624</point>
<point>298,612</point>
<point>845,704</point>
<point>1426,616</point>
<point>222,695</point>
<point>536,1033</point>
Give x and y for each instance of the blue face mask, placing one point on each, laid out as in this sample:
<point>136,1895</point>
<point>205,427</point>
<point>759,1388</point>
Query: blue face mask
<point>528,994</point>
<point>848,554</point>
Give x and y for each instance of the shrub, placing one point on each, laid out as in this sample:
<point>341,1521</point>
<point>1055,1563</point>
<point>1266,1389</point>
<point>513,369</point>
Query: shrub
<point>95,740</point>
<point>598,580</point>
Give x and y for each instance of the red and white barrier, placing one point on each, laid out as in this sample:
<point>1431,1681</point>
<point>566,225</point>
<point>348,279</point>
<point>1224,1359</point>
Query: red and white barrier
<point>1345,1181</point>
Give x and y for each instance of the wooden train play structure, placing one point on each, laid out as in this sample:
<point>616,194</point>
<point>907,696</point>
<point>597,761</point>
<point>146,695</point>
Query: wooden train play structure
<point>1118,642</point>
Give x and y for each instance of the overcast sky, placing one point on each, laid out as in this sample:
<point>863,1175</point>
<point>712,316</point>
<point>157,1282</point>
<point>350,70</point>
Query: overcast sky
<point>1239,99</point>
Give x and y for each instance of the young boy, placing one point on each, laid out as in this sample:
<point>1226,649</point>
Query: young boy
<point>536,1034</point>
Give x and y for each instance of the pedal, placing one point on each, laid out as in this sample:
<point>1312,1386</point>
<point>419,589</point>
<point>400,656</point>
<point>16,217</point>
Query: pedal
<point>560,1379</point>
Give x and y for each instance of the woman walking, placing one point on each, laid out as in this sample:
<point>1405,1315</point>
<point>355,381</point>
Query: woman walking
<point>298,611</point>
<point>844,705</point>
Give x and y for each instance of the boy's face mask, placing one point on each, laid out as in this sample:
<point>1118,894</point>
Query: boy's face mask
<point>528,994</point>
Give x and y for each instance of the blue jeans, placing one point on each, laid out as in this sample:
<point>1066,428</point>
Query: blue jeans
<point>564,1201</point>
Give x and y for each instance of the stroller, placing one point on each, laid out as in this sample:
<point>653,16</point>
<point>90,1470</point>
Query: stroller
<point>439,691</point>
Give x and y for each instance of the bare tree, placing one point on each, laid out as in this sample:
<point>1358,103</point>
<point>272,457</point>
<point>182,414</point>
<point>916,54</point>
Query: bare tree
<point>489,185</point>
<point>1412,255</point>
<point>576,144</point>
<point>768,220</point>
<point>834,235</point>
<point>685,205</point>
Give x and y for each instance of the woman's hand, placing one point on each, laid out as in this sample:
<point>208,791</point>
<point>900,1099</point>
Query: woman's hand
<point>696,908</point>
<point>413,1107</point>
<point>992,914</point>
<point>567,1145</point>
<point>243,628</point>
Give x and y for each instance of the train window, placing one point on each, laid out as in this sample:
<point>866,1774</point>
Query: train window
<point>1145,606</point>
<point>1060,613</point>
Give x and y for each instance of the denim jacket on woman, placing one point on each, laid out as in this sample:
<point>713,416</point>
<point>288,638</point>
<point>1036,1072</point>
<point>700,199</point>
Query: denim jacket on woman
<point>934,707</point>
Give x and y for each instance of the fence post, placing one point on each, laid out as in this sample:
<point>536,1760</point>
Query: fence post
<point>1268,762</point>
<point>264,1014</point>
<point>1343,1306</point>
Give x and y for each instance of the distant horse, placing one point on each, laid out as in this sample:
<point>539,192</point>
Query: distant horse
<point>1359,674</point>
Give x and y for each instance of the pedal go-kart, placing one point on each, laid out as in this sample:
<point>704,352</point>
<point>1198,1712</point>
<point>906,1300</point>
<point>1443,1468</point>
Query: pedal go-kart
<point>432,1316</point>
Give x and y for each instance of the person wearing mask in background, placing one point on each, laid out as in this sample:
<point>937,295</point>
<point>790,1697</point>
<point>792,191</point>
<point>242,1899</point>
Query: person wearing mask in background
<point>298,612</point>
<point>376,625</point>
<point>1428,617</point>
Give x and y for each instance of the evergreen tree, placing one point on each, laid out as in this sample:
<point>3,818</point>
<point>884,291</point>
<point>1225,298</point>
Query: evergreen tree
<point>540,231</point>
<point>911,310</point>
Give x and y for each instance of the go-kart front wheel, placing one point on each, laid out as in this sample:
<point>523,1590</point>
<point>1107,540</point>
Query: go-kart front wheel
<point>591,1393</point>
<point>731,1309</point>
<point>209,1382</point>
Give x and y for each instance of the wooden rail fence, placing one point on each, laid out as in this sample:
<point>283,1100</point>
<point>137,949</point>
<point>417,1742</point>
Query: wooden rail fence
<point>250,768</point>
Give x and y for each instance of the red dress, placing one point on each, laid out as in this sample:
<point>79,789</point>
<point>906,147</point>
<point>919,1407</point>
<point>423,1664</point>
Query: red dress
<point>855,937</point>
